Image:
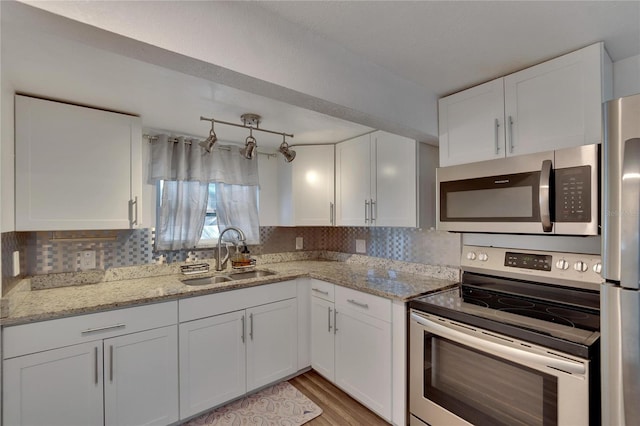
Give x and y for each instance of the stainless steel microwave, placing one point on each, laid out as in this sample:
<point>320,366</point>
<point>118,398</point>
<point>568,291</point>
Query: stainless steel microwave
<point>553,192</point>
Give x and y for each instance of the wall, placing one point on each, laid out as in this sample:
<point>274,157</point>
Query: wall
<point>41,254</point>
<point>626,77</point>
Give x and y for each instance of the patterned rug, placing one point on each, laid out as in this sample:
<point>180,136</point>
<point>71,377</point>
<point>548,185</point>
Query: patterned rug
<point>278,405</point>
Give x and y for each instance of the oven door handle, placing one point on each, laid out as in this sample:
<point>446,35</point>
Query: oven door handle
<point>498,349</point>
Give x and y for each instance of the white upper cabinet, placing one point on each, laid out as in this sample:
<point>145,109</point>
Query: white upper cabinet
<point>553,105</point>
<point>471,124</point>
<point>376,181</point>
<point>76,168</point>
<point>313,185</point>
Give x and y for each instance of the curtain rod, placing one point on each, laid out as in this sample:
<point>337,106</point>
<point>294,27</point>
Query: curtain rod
<point>152,138</point>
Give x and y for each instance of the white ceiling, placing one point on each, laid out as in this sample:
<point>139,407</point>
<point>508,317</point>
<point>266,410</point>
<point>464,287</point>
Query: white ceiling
<point>442,46</point>
<point>451,45</point>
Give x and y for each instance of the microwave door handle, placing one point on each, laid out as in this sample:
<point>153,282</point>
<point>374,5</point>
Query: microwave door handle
<point>544,192</point>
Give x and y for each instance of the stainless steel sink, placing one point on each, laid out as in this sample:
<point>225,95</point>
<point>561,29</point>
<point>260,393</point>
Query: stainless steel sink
<point>206,280</point>
<point>250,274</point>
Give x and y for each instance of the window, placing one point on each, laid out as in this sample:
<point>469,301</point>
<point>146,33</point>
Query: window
<point>210,231</point>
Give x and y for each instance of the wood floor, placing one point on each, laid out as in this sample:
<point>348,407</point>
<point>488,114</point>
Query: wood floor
<point>338,408</point>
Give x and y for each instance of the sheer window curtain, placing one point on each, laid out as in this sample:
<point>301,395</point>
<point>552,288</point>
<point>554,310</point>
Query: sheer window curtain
<point>187,170</point>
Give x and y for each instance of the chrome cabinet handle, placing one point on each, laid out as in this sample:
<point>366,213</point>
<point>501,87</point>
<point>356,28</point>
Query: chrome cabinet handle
<point>95,353</point>
<point>366,211</point>
<point>374,212</point>
<point>496,348</point>
<point>543,196</point>
<point>329,319</point>
<point>111,363</point>
<point>242,336</point>
<point>326,293</point>
<point>510,134</point>
<point>251,326</point>
<point>133,211</point>
<point>497,135</point>
<point>362,305</point>
<point>331,214</point>
<point>335,321</point>
<point>99,329</point>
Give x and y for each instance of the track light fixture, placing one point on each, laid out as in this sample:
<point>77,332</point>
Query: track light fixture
<point>249,121</point>
<point>250,145</point>
<point>289,154</point>
<point>208,143</point>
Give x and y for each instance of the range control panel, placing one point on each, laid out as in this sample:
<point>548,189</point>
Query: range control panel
<point>573,269</point>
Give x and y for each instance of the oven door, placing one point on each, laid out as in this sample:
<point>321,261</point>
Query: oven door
<point>460,375</point>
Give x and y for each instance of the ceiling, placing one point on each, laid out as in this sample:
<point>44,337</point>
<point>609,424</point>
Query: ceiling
<point>442,46</point>
<point>451,45</point>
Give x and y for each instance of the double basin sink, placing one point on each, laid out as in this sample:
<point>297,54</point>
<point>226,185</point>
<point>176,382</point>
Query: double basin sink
<point>225,278</point>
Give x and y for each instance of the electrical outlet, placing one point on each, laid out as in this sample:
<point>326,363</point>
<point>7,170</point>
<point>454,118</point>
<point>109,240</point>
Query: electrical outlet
<point>298,243</point>
<point>361,246</point>
<point>87,259</point>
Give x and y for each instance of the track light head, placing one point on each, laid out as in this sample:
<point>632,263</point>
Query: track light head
<point>250,145</point>
<point>288,154</point>
<point>208,143</point>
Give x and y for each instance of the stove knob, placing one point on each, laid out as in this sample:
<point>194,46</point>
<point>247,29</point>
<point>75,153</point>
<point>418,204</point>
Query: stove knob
<point>597,268</point>
<point>562,264</point>
<point>483,257</point>
<point>581,266</point>
<point>471,256</point>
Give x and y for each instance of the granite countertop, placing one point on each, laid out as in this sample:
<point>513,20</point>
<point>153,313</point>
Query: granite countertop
<point>26,305</point>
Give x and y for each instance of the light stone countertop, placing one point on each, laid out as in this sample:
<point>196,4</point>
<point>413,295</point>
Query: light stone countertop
<point>25,305</point>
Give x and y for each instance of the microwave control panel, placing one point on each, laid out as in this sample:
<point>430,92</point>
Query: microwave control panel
<point>573,194</point>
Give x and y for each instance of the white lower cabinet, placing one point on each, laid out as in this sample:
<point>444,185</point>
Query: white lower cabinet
<point>228,354</point>
<point>212,362</point>
<point>59,387</point>
<point>363,359</point>
<point>141,378</point>
<point>272,347</point>
<point>109,374</point>
<point>351,343</point>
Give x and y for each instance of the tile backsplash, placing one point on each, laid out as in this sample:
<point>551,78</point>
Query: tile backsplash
<point>47,252</point>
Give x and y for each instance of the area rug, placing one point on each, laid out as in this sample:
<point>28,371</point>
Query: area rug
<point>278,405</point>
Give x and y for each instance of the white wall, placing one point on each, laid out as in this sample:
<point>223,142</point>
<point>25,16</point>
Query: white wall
<point>626,77</point>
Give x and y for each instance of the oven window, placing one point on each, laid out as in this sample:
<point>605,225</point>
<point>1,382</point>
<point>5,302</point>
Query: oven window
<point>512,198</point>
<point>487,390</point>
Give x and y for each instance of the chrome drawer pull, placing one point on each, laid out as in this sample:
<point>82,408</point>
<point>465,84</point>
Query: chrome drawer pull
<point>362,305</point>
<point>95,353</point>
<point>111,363</point>
<point>329,319</point>
<point>109,327</point>
<point>320,291</point>
<point>243,329</point>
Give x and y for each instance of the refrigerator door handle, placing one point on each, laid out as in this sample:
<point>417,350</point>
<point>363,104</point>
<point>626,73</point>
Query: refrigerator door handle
<point>630,215</point>
<point>630,348</point>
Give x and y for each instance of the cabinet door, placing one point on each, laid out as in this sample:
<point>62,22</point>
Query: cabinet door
<point>212,362</point>
<point>74,166</point>
<point>313,185</point>
<point>363,359</point>
<point>396,179</point>
<point>272,343</point>
<point>60,387</point>
<point>141,378</point>
<point>322,337</point>
<point>471,124</point>
<point>556,104</point>
<point>353,181</point>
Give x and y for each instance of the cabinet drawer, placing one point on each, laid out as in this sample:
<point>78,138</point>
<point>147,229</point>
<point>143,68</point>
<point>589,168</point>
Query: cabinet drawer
<point>323,290</point>
<point>234,300</point>
<point>375,306</point>
<point>44,335</point>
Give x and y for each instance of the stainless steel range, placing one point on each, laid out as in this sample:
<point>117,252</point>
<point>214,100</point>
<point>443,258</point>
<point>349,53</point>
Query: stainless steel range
<point>517,343</point>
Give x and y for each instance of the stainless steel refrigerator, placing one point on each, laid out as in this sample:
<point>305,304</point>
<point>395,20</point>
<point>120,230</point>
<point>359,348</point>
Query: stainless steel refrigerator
<point>620,295</point>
